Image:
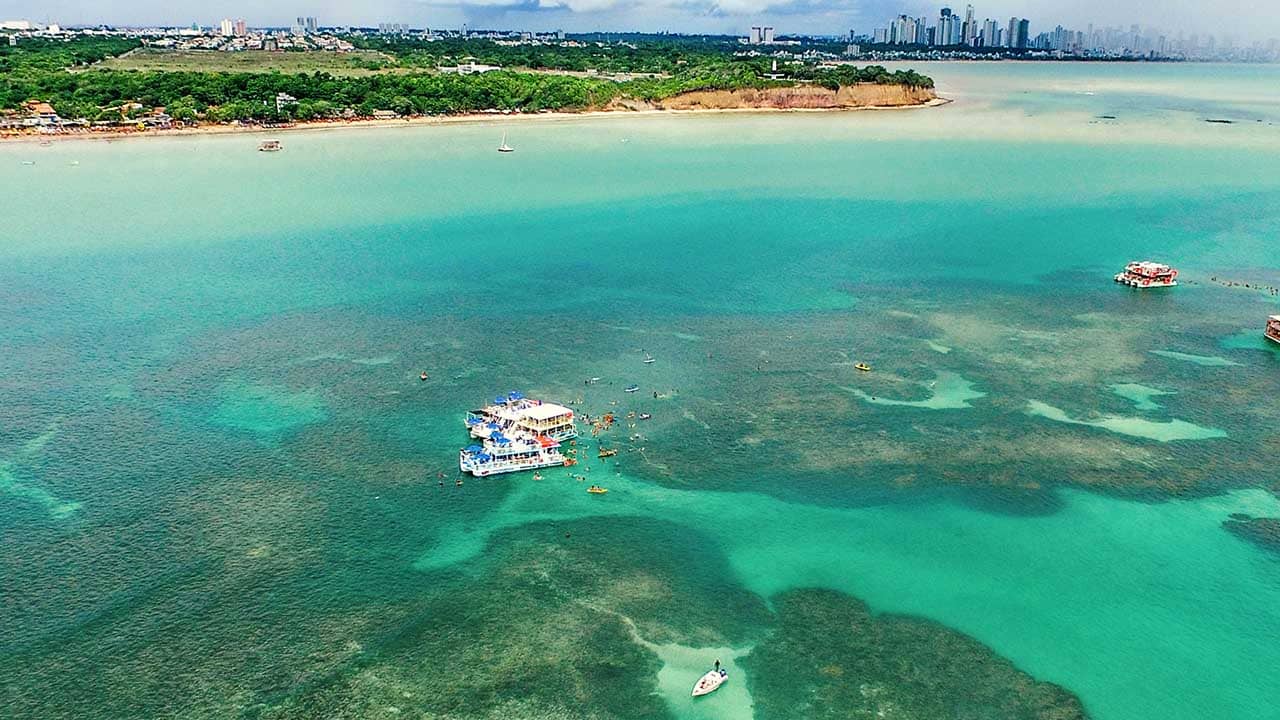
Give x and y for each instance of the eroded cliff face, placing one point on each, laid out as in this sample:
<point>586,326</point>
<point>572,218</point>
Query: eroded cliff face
<point>801,98</point>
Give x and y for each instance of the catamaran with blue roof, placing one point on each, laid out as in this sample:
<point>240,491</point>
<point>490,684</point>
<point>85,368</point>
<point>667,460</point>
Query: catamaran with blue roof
<point>501,454</point>
<point>514,414</point>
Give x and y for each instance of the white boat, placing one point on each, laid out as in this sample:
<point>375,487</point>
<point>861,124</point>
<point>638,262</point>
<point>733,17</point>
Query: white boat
<point>649,359</point>
<point>710,682</point>
<point>1272,332</point>
<point>631,388</point>
<point>270,146</point>
<point>501,454</point>
<point>504,147</point>
<point>1147,274</point>
<point>515,414</point>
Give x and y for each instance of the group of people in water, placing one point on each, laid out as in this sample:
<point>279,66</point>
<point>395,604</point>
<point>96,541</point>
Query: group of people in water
<point>1268,289</point>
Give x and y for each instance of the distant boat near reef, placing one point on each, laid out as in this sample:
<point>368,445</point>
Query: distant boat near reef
<point>270,146</point>
<point>1273,329</point>
<point>648,359</point>
<point>504,147</point>
<point>631,388</point>
<point>1147,274</point>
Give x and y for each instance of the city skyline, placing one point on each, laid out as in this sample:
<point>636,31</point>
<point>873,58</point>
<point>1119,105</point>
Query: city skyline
<point>1239,21</point>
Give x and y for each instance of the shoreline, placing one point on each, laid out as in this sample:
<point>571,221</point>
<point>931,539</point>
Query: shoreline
<point>462,119</point>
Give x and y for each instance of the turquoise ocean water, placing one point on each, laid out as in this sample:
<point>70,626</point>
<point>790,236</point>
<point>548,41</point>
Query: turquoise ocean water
<point>218,468</point>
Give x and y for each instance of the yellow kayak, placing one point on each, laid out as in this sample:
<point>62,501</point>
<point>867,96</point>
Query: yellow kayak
<point>596,490</point>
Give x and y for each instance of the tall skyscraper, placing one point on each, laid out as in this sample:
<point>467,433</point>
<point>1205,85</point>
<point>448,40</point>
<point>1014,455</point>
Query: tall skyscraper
<point>226,28</point>
<point>1024,34</point>
<point>970,27</point>
<point>1011,35</point>
<point>311,26</point>
<point>240,30</point>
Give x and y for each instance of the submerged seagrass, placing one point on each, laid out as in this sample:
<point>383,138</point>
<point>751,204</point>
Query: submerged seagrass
<point>219,471</point>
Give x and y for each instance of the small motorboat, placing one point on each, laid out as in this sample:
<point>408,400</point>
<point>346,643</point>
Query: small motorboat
<point>504,147</point>
<point>863,367</point>
<point>710,682</point>
<point>537,476</point>
<point>604,453</point>
<point>645,416</point>
<point>270,146</point>
<point>596,490</point>
<point>423,376</point>
<point>631,388</point>
<point>649,359</point>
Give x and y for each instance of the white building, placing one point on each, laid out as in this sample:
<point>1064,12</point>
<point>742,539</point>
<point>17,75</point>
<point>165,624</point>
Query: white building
<point>226,28</point>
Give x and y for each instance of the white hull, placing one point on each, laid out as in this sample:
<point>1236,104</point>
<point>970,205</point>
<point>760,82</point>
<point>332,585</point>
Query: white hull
<point>1144,282</point>
<point>501,467</point>
<point>709,683</point>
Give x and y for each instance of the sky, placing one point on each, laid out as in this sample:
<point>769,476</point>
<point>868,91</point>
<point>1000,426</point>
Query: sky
<point>1246,20</point>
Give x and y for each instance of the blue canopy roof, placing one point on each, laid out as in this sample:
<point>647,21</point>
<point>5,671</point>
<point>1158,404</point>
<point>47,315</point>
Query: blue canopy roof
<point>500,400</point>
<point>474,421</point>
<point>484,457</point>
<point>492,425</point>
<point>515,395</point>
<point>474,449</point>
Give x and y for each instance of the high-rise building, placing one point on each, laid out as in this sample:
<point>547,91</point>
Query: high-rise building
<point>226,27</point>
<point>768,35</point>
<point>1011,34</point>
<point>311,26</point>
<point>990,34</point>
<point>970,27</point>
<point>240,30</point>
<point>1024,34</point>
<point>755,37</point>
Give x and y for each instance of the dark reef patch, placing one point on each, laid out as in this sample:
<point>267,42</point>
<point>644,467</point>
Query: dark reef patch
<point>548,629</point>
<point>830,657</point>
<point>1261,531</point>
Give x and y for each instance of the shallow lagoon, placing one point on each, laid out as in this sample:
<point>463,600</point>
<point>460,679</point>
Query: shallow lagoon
<point>218,467</point>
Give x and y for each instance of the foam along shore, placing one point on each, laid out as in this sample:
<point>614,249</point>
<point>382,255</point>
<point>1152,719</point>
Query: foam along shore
<point>706,103</point>
<point>1135,427</point>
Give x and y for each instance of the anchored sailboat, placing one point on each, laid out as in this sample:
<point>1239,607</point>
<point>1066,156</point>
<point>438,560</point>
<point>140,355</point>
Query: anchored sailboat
<point>504,147</point>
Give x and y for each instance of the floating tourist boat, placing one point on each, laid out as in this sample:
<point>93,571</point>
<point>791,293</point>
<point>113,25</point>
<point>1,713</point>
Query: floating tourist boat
<point>607,453</point>
<point>501,454</point>
<point>1147,274</point>
<point>645,416</point>
<point>863,367</point>
<point>649,359</point>
<point>515,414</point>
<point>596,490</point>
<point>710,682</point>
<point>423,376</point>
<point>504,147</point>
<point>1273,329</point>
<point>631,388</point>
<point>270,146</point>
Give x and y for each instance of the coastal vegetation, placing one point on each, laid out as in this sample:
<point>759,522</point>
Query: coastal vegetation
<point>401,78</point>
